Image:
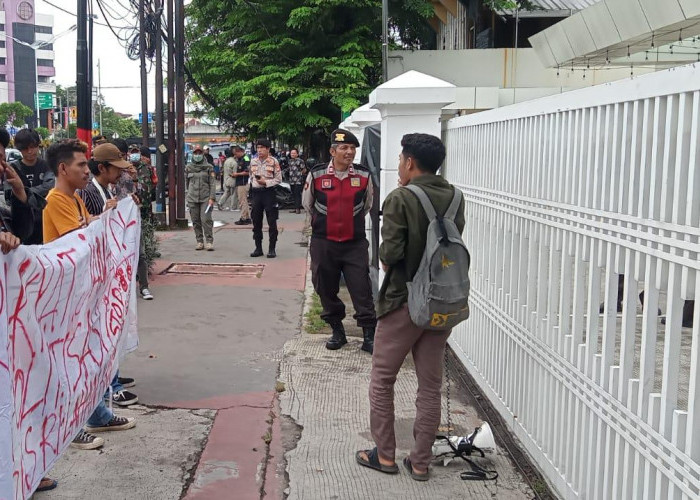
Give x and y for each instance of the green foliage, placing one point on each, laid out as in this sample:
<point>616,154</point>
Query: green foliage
<point>287,68</point>
<point>114,123</point>
<point>14,113</point>
<point>314,323</point>
<point>510,5</point>
<point>43,132</point>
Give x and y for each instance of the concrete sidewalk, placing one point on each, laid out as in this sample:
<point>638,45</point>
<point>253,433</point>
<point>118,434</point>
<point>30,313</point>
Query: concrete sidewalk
<point>211,424</point>
<point>326,403</point>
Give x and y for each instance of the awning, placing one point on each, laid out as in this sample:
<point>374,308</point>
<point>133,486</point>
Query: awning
<point>614,29</point>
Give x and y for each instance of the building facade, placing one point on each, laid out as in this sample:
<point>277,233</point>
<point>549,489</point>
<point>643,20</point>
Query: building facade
<point>26,72</point>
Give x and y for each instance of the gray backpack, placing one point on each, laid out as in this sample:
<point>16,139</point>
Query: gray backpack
<point>438,296</point>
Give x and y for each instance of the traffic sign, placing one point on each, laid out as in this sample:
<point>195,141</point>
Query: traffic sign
<point>150,117</point>
<point>44,100</point>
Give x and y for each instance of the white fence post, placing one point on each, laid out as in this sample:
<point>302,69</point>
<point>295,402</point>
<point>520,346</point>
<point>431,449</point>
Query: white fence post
<point>409,103</point>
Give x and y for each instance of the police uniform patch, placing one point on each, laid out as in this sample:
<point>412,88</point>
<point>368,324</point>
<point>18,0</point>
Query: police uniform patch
<point>326,184</point>
<point>355,182</point>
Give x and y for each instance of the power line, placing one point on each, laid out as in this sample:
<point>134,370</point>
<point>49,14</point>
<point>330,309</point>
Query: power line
<point>69,12</point>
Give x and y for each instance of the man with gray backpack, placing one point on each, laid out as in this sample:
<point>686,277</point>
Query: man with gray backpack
<point>424,294</point>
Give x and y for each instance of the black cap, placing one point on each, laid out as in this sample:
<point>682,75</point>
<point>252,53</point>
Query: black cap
<point>264,142</point>
<point>341,136</point>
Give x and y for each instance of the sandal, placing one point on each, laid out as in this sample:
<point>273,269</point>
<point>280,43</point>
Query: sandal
<point>373,462</point>
<point>416,476</point>
<point>49,484</point>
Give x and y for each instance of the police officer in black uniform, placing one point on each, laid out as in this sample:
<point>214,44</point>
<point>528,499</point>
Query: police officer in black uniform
<point>339,195</point>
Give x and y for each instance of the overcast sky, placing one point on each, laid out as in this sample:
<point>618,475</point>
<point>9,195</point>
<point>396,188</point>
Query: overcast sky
<point>117,69</point>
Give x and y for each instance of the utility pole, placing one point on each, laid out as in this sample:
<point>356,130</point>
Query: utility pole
<point>144,76</point>
<point>385,40</point>
<point>99,91</point>
<point>180,107</point>
<point>83,89</point>
<point>172,145</point>
<point>160,201</point>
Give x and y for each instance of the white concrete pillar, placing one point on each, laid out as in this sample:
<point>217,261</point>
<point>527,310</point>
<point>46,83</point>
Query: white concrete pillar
<point>411,102</point>
<point>349,125</point>
<point>363,117</point>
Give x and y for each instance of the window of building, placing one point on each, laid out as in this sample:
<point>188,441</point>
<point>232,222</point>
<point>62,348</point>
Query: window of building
<point>2,27</point>
<point>44,79</point>
<point>2,61</point>
<point>43,29</point>
<point>3,78</point>
<point>2,44</point>
<point>44,62</point>
<point>48,46</point>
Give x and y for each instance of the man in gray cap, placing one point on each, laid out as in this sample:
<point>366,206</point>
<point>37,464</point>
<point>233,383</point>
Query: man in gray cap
<point>338,195</point>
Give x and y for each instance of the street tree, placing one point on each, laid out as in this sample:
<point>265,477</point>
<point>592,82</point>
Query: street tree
<point>14,113</point>
<point>289,68</point>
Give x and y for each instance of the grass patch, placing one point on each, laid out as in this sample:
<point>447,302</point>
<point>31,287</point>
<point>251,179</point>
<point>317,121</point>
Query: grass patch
<point>314,323</point>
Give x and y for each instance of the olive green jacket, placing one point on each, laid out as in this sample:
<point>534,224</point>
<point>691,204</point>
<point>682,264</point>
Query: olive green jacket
<point>201,182</point>
<point>404,230</point>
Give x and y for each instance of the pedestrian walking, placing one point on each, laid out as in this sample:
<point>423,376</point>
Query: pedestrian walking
<point>265,174</point>
<point>297,172</point>
<point>242,176</point>
<point>201,196</point>
<point>338,195</point>
<point>229,195</point>
<point>404,234</point>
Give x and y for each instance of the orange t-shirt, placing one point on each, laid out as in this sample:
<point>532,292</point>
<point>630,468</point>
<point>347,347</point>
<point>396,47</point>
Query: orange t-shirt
<point>63,214</point>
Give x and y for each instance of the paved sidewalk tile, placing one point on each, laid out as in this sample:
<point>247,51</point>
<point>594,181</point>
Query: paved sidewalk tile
<point>326,394</point>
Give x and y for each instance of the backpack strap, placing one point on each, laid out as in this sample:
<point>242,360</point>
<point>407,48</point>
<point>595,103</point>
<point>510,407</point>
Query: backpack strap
<point>424,200</point>
<point>454,206</point>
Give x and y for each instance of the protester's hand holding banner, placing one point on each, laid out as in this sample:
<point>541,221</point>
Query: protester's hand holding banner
<point>67,312</point>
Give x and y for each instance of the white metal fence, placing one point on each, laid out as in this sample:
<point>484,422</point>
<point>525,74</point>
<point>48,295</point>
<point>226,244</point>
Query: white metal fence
<point>565,194</point>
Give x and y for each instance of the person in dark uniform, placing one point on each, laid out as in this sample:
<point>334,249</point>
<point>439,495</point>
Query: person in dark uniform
<point>338,195</point>
<point>265,174</point>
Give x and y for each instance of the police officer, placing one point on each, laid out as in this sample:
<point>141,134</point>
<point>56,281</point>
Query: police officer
<point>265,174</point>
<point>338,195</point>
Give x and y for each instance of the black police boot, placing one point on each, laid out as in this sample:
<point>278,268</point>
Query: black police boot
<point>338,339</point>
<point>368,342</point>
<point>258,252</point>
<point>271,254</point>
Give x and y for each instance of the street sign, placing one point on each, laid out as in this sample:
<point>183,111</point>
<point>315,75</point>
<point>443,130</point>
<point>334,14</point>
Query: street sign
<point>150,117</point>
<point>44,100</point>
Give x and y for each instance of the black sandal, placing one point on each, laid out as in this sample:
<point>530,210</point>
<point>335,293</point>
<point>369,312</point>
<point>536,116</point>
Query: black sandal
<point>373,462</point>
<point>418,477</point>
<point>52,485</point>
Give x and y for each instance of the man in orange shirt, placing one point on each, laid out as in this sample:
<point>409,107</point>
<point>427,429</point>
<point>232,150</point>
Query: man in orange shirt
<point>65,212</point>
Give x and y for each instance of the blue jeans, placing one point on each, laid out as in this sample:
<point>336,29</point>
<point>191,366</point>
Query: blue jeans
<point>101,416</point>
<point>116,386</point>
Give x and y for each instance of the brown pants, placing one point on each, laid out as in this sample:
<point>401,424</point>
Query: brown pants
<point>242,192</point>
<point>397,335</point>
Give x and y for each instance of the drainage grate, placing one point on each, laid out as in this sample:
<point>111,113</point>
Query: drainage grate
<point>194,268</point>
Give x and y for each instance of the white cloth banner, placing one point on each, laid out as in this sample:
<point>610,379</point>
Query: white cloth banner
<point>67,312</point>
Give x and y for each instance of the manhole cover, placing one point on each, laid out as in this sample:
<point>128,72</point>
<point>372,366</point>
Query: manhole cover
<point>192,268</point>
